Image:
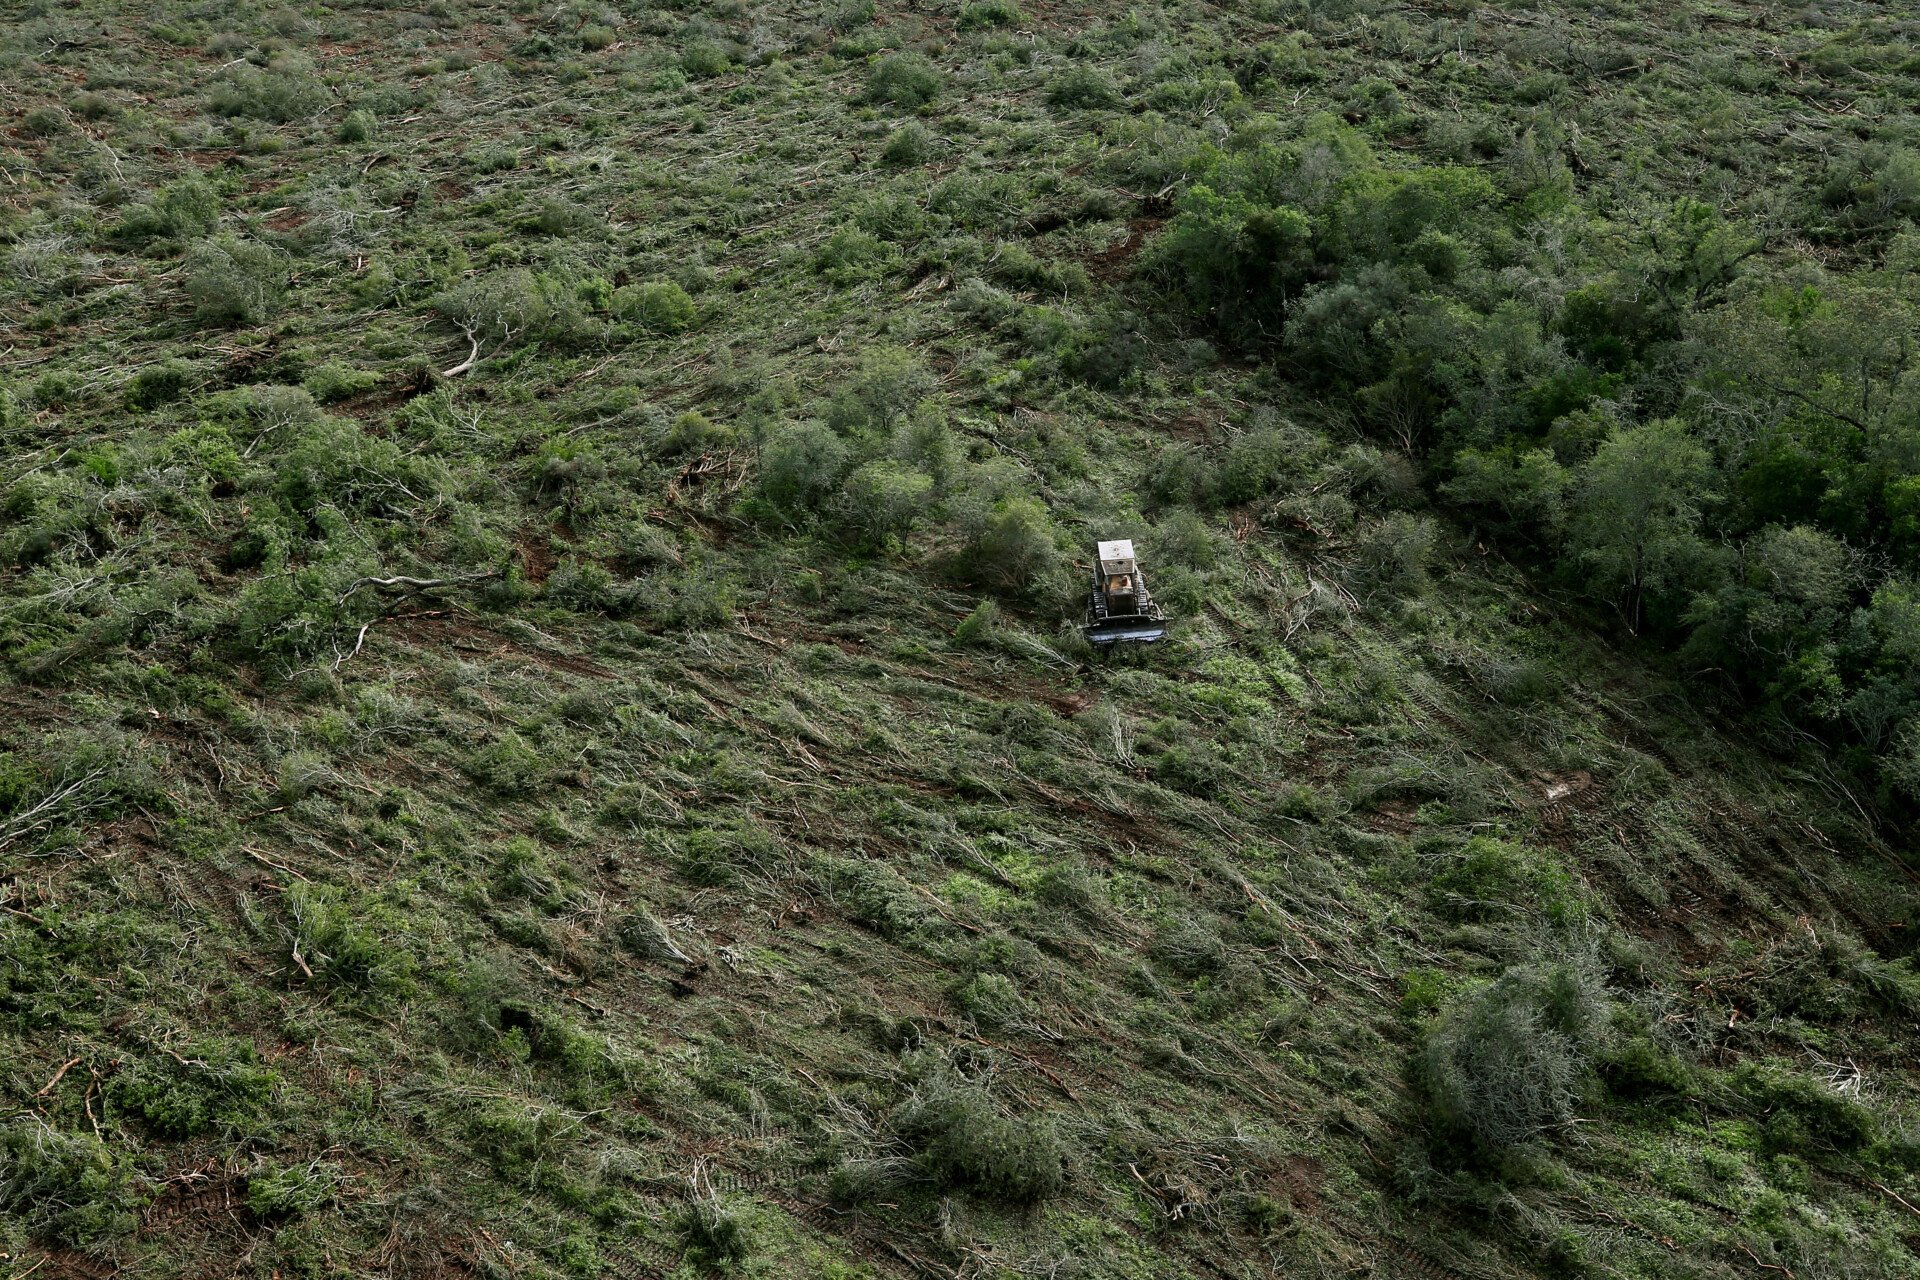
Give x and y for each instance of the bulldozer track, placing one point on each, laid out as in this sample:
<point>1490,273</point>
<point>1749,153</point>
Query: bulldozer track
<point>1412,1262</point>
<point>69,1264</point>
<point>182,1208</point>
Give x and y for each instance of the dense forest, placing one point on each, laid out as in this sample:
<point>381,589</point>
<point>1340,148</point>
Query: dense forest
<point>545,726</point>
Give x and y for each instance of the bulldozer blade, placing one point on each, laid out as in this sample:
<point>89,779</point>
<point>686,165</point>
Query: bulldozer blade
<point>1134,632</point>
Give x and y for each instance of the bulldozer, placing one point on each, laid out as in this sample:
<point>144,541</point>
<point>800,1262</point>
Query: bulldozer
<point>1119,608</point>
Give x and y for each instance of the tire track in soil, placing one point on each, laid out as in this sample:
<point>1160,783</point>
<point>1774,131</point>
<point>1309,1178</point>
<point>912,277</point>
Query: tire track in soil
<point>1411,1262</point>
<point>69,1264</point>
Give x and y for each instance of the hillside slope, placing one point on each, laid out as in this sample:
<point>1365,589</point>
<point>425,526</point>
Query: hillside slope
<point>545,733</point>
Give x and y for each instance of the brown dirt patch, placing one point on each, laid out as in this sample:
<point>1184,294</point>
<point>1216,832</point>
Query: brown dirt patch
<point>537,554</point>
<point>1116,260</point>
<point>1298,1180</point>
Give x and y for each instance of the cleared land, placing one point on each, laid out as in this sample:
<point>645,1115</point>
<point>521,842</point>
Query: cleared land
<point>544,733</point>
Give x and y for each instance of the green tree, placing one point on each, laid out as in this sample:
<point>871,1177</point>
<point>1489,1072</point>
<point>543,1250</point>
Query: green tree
<point>1634,521</point>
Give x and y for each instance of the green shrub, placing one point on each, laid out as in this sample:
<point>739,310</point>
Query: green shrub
<point>714,1235</point>
<point>874,894</point>
<point>801,466</point>
<point>693,432</point>
<point>56,389</point>
<point>66,1189</point>
<point>1068,886</point>
<point>293,1191</point>
<point>1801,1114</point>
<point>510,306</point>
<point>279,94</point>
<point>990,999</point>
<point>1504,1066</point>
<point>1829,976</point>
<point>904,79</point>
<point>158,384</point>
<point>1493,879</point>
<point>851,255</point>
<point>883,500</point>
<point>334,381</point>
<point>338,938</point>
<point>660,306</point>
<point>705,58</point>
<point>965,1143</point>
<point>183,210</point>
<point>1638,1070</point>
<point>44,122</point>
<point>911,144</point>
<point>234,281</point>
<point>1393,553</point>
<point>720,857</point>
<point>517,1138</point>
<point>358,126</point>
<point>333,463</point>
<point>508,766</point>
<point>1082,87</point>
<point>989,13</point>
<point>1009,548</point>
<point>212,1085</point>
<point>491,157</point>
<point>885,385</point>
<point>980,626</point>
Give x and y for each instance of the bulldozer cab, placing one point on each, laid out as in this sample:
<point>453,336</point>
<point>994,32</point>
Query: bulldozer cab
<point>1117,575</point>
<point>1119,608</point>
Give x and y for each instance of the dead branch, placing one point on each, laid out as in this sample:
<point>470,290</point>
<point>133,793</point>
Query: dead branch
<point>413,584</point>
<point>473,356</point>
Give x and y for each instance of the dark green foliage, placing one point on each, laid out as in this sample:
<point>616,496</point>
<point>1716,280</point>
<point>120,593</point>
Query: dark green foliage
<point>508,766</point>
<point>1503,1066</point>
<point>978,14</point>
<point>966,1143</point>
<point>1489,879</point>
<point>1687,459</point>
<point>801,466</point>
<point>158,384</point>
<point>333,463</point>
<point>1009,546</point>
<point>357,125</point>
<point>1638,1070</point>
<point>66,1188</point>
<point>344,940</point>
<point>704,58</point>
<point>198,1088</point>
<point>331,382</point>
<point>904,79</point>
<point>660,306</point>
<point>1829,976</point>
<point>182,211</point>
<point>235,281</point>
<point>874,894</point>
<point>909,145</point>
<point>1082,87</point>
<point>280,94</point>
<point>1800,1114</point>
<point>291,1191</point>
<point>714,1235</point>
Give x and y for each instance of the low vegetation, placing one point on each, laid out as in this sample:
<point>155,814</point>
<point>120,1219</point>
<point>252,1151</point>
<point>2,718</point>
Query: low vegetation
<point>546,728</point>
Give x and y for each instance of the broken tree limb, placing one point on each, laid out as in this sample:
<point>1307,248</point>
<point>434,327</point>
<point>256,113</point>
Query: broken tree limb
<point>47,1088</point>
<point>473,356</point>
<point>414,584</point>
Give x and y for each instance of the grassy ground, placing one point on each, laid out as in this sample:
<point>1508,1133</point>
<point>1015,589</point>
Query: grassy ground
<point>518,822</point>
